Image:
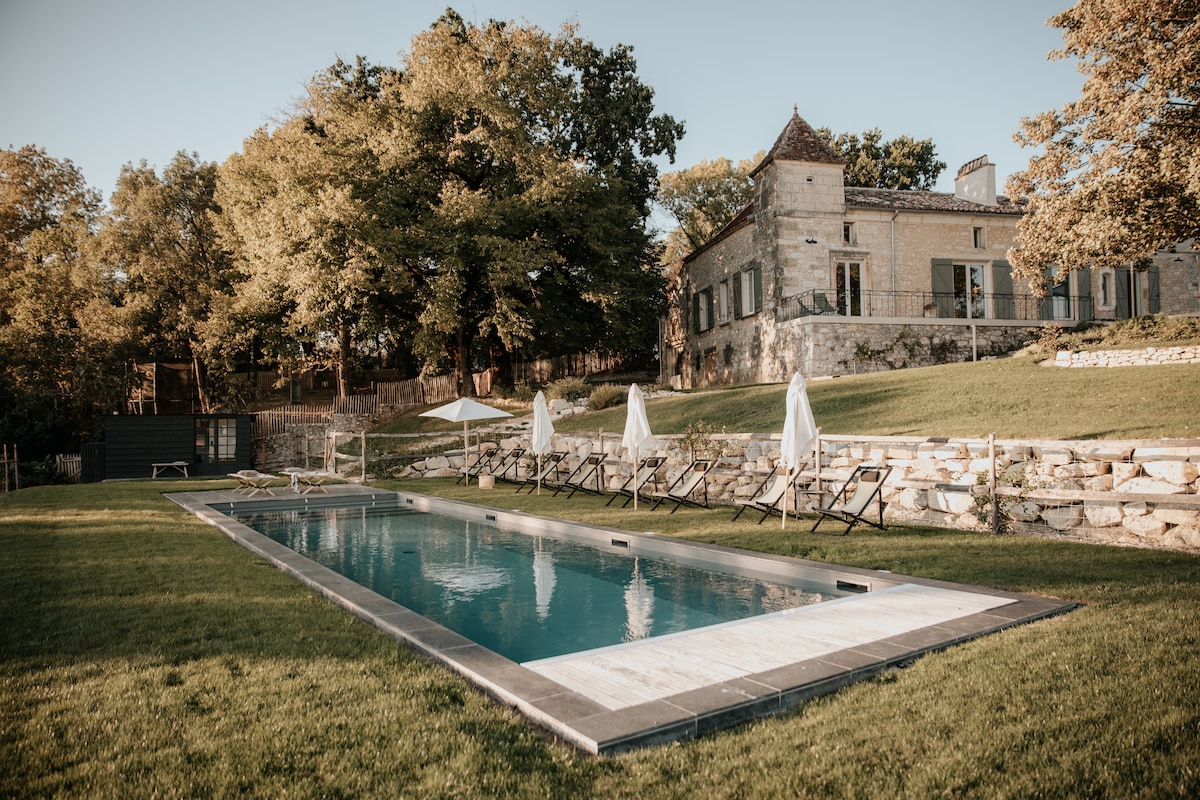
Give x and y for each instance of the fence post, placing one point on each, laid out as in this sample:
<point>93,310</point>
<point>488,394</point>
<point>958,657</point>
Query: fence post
<point>363,438</point>
<point>992,483</point>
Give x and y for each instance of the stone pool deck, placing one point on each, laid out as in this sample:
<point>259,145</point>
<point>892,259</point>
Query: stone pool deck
<point>669,687</point>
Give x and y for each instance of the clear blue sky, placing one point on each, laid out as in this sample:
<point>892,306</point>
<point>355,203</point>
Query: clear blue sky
<point>109,82</point>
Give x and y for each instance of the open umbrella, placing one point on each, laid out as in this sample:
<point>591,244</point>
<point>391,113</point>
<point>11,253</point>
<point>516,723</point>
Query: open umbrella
<point>799,430</point>
<point>464,410</point>
<point>543,430</point>
<point>637,431</point>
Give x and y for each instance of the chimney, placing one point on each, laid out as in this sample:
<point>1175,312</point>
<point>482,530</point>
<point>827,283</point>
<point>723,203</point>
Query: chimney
<point>976,181</point>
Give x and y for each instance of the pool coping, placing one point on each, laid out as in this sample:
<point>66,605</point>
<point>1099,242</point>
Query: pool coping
<point>574,717</point>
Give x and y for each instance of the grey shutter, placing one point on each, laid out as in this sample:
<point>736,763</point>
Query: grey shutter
<point>737,295</point>
<point>1155,301</point>
<point>942,282</point>
<point>757,287</point>
<point>1002,291</point>
<point>696,312</point>
<point>1124,308</point>
<point>1083,282</point>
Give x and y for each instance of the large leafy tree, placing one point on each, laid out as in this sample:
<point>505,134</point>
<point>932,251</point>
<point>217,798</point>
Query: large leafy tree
<point>533,153</point>
<point>1120,173</point>
<point>160,238</point>
<point>901,163</point>
<point>311,213</point>
<point>58,363</point>
<point>703,199</point>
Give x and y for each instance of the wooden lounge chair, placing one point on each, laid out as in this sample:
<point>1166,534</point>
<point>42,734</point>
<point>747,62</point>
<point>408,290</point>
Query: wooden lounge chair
<point>506,468</point>
<point>691,481</point>
<point>769,498</point>
<point>868,485</point>
<point>587,471</point>
<point>252,482</point>
<point>313,481</point>
<point>636,482</point>
<point>551,464</point>
<point>481,463</point>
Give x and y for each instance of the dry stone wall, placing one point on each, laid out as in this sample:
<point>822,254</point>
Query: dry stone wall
<point>1148,356</point>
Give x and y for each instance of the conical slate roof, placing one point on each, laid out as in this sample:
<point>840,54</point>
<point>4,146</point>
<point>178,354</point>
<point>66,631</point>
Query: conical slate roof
<point>799,142</point>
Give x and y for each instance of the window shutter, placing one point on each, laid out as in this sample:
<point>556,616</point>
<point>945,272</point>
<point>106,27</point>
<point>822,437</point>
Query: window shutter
<point>757,288</point>
<point>737,295</point>
<point>696,313</point>
<point>1083,282</point>
<point>1002,290</point>
<point>1124,307</point>
<point>942,282</point>
<point>1155,302</point>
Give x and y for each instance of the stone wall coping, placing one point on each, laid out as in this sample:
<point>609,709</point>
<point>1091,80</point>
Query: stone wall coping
<point>1060,444</point>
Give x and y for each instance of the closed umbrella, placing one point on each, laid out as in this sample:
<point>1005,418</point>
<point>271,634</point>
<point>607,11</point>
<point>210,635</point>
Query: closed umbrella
<point>464,410</point>
<point>799,431</point>
<point>543,431</point>
<point>637,431</point>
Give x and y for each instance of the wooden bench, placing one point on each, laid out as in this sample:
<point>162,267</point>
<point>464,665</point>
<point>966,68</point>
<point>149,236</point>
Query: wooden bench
<point>182,466</point>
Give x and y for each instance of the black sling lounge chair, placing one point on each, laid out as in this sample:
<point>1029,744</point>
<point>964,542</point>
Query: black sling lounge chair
<point>690,481</point>
<point>506,469</point>
<point>481,463</point>
<point>637,481</point>
<point>868,485</point>
<point>769,498</point>
<point>551,464</point>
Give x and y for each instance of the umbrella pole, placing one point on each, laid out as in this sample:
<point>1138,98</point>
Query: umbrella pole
<point>539,475</point>
<point>466,455</point>
<point>787,481</point>
<point>636,489</point>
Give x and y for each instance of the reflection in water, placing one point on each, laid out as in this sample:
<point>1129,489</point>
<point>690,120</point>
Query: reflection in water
<point>474,578</point>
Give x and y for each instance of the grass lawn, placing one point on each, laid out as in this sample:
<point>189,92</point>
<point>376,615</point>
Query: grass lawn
<point>143,654</point>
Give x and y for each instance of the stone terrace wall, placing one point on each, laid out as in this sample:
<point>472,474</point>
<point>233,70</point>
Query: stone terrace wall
<point>1128,358</point>
<point>1138,492</point>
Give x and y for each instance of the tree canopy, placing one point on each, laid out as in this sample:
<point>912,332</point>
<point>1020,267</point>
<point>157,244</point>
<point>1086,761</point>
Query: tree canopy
<point>703,199</point>
<point>902,163</point>
<point>1120,173</point>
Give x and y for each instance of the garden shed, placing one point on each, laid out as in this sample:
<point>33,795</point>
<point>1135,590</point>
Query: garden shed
<point>200,444</point>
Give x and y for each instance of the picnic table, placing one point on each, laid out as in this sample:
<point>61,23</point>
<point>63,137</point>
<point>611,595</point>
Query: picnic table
<point>181,466</point>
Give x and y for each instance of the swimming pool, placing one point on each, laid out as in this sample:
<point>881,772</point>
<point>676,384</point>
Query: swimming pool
<point>671,686</point>
<point>525,596</point>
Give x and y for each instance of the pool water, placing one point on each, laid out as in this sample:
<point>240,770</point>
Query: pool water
<point>524,596</point>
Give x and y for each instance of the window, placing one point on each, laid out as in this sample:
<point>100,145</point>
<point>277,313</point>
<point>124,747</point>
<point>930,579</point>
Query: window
<point>216,440</point>
<point>724,310</point>
<point>747,292</point>
<point>848,280</point>
<point>848,233</point>
<point>959,290</point>
<point>702,309</point>
<point>978,238</point>
<point>1107,295</point>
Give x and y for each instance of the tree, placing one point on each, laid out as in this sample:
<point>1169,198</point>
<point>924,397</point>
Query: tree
<point>902,163</point>
<point>311,213</point>
<point>161,237</point>
<point>58,366</point>
<point>533,154</point>
<point>1120,175</point>
<point>703,199</point>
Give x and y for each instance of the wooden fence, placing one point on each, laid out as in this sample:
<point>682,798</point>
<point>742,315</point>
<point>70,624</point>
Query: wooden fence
<point>9,466</point>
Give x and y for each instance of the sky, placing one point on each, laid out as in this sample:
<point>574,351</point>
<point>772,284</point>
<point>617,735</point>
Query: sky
<point>104,83</point>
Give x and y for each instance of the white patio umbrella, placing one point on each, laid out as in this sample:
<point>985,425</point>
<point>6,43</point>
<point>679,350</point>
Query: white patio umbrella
<point>464,410</point>
<point>543,430</point>
<point>799,431</point>
<point>637,431</point>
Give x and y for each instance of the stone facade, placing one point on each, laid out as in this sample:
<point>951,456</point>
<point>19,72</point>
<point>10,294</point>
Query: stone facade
<point>887,266</point>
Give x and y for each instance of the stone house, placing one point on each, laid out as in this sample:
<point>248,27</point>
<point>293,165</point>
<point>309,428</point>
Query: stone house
<point>825,279</point>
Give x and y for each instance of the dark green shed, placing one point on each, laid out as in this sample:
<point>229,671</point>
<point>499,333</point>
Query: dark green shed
<point>209,444</point>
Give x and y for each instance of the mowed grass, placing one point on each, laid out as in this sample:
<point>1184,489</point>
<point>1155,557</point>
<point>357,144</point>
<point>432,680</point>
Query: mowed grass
<point>145,655</point>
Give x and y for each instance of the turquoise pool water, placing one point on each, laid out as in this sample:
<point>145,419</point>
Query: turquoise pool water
<point>525,596</point>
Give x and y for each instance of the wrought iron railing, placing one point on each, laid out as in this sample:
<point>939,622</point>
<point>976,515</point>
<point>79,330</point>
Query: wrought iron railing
<point>935,305</point>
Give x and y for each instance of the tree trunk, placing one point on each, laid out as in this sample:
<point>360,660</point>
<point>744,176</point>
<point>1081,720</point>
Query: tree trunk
<point>466,381</point>
<point>343,365</point>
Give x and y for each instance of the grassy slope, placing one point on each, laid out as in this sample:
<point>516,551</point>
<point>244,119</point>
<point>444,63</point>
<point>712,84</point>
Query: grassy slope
<point>141,654</point>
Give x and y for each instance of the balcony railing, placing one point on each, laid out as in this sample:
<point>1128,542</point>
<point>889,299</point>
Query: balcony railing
<point>935,305</point>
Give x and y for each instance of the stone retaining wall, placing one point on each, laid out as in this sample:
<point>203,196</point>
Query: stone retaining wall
<point>1138,492</point>
<point>1128,358</point>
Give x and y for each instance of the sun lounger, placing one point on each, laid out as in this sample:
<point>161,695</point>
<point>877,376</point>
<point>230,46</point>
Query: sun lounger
<point>551,465</point>
<point>505,469</point>
<point>868,486</point>
<point>692,480</point>
<point>481,463</point>
<point>587,472</point>
<point>252,482</point>
<point>646,474</point>
<point>771,495</point>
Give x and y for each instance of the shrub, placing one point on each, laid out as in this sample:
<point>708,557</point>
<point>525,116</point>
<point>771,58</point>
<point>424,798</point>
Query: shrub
<point>607,395</point>
<point>567,389</point>
<point>521,393</point>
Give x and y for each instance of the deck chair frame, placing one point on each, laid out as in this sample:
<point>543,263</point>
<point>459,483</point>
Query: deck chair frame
<point>551,464</point>
<point>644,474</point>
<point>506,470</point>
<point>769,496</point>
<point>577,480</point>
<point>481,463</point>
<point>680,492</point>
<point>854,505</point>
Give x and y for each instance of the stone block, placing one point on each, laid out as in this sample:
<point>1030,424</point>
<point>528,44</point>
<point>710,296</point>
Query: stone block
<point>1188,534</point>
<point>1023,511</point>
<point>1100,483</point>
<point>1099,516</point>
<point>1180,473</point>
<point>1177,516</point>
<point>1057,458</point>
<point>1081,469</point>
<point>1146,527</point>
<point>441,473</point>
<point>1164,453</point>
<point>439,462</point>
<point>1123,471</point>
<point>1062,518</point>
<point>1149,486</point>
